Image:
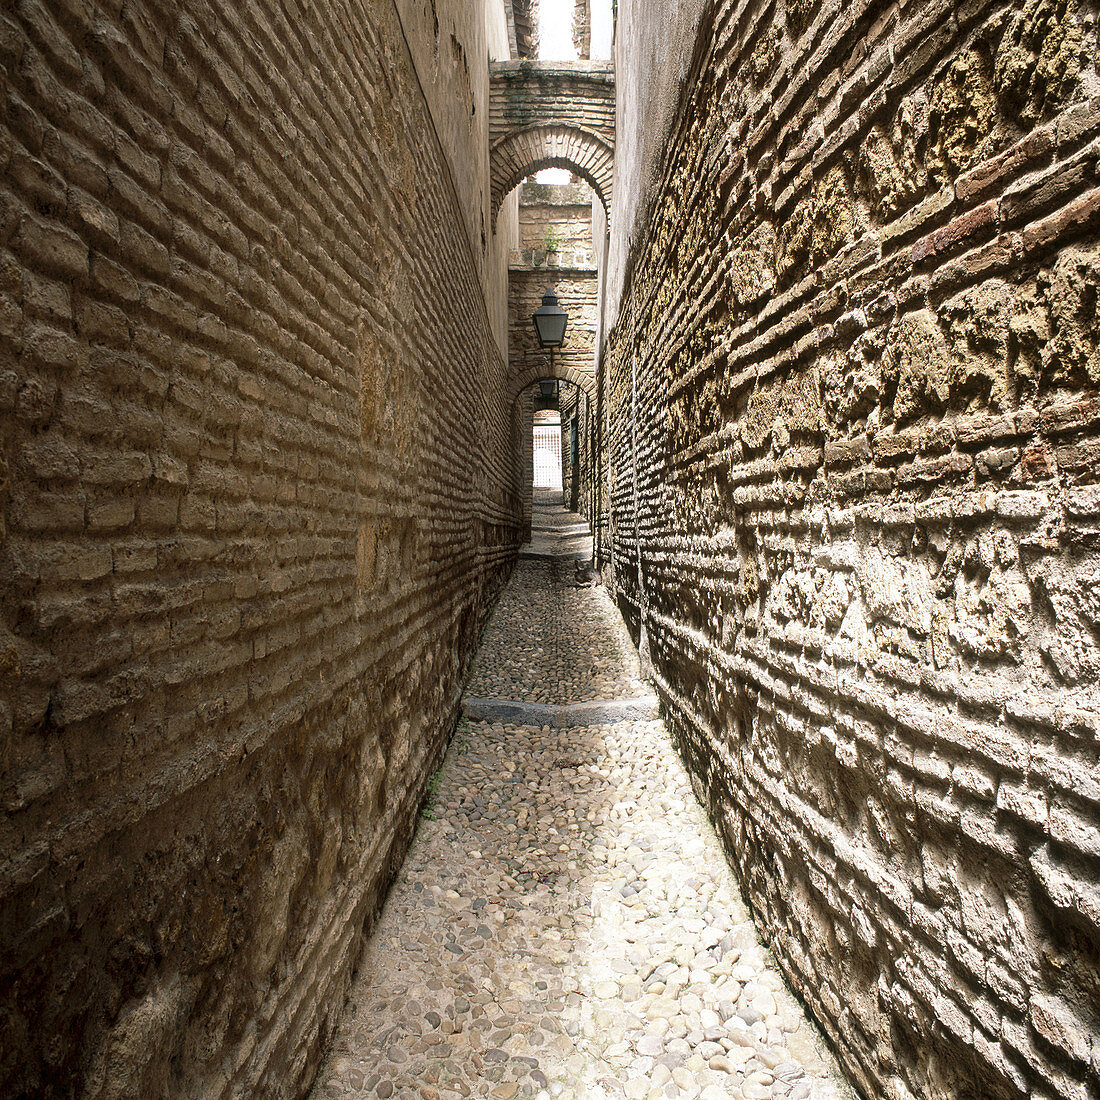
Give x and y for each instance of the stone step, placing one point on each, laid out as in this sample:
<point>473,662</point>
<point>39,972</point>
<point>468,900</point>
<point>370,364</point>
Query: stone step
<point>594,712</point>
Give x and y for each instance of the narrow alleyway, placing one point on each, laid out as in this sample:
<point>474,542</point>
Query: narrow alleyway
<point>565,924</point>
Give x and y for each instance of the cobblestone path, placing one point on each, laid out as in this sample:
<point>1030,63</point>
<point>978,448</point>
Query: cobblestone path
<point>565,924</point>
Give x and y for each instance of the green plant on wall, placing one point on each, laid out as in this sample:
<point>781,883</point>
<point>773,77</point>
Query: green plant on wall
<point>553,241</point>
<point>429,811</point>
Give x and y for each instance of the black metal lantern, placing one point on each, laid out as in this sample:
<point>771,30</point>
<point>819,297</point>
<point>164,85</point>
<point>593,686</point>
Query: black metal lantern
<point>548,387</point>
<point>550,320</point>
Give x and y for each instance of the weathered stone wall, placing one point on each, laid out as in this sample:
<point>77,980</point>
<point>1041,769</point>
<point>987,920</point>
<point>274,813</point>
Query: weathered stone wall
<point>653,50</point>
<point>578,478</point>
<point>582,29</point>
<point>575,472</point>
<point>256,496</point>
<point>523,420</point>
<point>558,214</point>
<point>568,407</point>
<point>854,444</point>
<point>448,41</point>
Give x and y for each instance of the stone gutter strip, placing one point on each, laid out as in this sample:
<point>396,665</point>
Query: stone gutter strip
<point>597,712</point>
<point>554,555</point>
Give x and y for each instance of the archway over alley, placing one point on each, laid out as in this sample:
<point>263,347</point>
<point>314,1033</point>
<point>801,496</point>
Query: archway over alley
<point>549,114</point>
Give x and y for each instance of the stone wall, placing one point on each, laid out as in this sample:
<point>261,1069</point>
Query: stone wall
<point>653,53</point>
<point>256,498</point>
<point>853,404</point>
<point>576,292</point>
<point>523,420</point>
<point>448,41</point>
<point>578,484</point>
<point>582,29</point>
<point>557,214</point>
<point>569,405</point>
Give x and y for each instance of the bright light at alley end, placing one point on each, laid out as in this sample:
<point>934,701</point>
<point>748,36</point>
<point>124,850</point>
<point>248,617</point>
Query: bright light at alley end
<point>550,321</point>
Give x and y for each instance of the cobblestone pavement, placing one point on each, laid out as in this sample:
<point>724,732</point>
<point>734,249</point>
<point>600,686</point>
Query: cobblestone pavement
<point>565,924</point>
<point>552,642</point>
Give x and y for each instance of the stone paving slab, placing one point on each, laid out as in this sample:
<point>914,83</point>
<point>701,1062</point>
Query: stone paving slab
<point>595,713</point>
<point>566,924</point>
<point>545,553</point>
<point>555,532</point>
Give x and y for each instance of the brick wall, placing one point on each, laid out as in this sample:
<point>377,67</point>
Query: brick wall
<point>569,404</point>
<point>557,214</point>
<point>523,419</point>
<point>853,440</point>
<point>571,93</point>
<point>576,291</point>
<point>257,495</point>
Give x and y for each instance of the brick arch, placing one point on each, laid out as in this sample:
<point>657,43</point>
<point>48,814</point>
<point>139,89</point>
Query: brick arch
<point>563,372</point>
<point>524,152</point>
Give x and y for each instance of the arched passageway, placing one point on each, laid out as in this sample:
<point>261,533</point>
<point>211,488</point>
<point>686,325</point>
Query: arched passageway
<point>528,151</point>
<point>556,252</point>
<point>555,217</point>
<point>551,115</point>
<point>557,371</point>
<point>565,410</point>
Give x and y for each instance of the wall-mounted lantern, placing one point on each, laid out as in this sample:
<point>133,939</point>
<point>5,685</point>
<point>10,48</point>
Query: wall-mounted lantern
<point>550,320</point>
<point>548,387</point>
